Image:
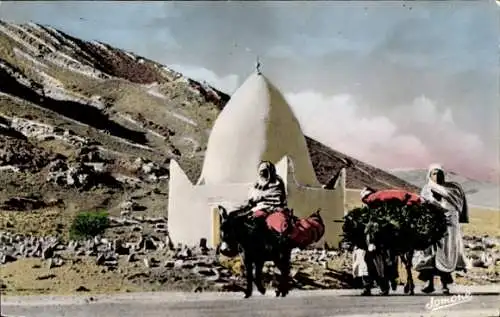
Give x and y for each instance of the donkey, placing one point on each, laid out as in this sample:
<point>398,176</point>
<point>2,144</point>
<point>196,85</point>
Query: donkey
<point>241,234</point>
<point>389,265</point>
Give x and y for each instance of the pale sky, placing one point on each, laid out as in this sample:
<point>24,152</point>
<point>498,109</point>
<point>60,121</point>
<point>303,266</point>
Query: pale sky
<point>396,84</point>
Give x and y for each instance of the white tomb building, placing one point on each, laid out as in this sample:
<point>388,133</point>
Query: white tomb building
<point>256,124</point>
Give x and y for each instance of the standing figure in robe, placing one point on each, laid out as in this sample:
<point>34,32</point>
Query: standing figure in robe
<point>448,256</point>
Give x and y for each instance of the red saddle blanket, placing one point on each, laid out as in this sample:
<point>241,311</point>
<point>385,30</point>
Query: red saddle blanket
<point>304,231</point>
<point>393,194</point>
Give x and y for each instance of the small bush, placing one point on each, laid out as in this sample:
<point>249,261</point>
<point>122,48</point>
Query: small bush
<point>89,224</point>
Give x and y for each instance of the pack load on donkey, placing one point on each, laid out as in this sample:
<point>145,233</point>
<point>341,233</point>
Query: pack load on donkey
<point>301,232</point>
<point>399,220</point>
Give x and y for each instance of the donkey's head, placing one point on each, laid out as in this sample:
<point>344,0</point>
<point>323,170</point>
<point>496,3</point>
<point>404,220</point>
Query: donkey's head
<point>229,226</point>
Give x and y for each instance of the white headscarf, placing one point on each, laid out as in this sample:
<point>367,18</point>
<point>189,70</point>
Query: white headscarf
<point>451,190</point>
<point>263,182</point>
<point>432,168</point>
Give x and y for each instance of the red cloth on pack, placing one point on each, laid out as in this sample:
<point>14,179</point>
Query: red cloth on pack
<point>304,231</point>
<point>277,220</point>
<point>307,231</point>
<point>391,194</point>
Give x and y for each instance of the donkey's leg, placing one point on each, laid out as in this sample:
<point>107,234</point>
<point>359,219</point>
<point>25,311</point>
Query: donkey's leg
<point>409,266</point>
<point>277,263</point>
<point>404,259</point>
<point>259,264</point>
<point>248,262</point>
<point>394,272</point>
<point>407,260</point>
<point>284,267</point>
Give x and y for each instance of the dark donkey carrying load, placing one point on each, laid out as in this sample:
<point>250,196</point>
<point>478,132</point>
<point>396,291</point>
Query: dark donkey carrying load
<point>393,223</point>
<point>257,239</point>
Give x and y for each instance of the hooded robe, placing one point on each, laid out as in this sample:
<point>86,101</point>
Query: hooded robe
<point>449,255</point>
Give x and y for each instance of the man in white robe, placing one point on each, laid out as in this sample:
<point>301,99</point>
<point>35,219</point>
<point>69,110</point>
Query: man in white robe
<point>448,256</point>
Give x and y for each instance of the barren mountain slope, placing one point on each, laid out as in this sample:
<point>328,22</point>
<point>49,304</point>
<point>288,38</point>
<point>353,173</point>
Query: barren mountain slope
<point>113,120</point>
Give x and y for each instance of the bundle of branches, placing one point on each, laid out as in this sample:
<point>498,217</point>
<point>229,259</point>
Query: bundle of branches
<point>395,226</point>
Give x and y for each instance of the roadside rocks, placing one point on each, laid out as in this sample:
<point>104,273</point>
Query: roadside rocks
<point>475,244</point>
<point>55,262</point>
<point>485,259</point>
<point>6,258</point>
<point>13,246</point>
<point>150,259</point>
<point>108,259</point>
<point>490,243</point>
<point>131,258</point>
<point>119,248</point>
<point>138,223</point>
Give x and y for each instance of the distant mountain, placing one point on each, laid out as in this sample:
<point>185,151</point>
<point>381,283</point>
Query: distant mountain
<point>479,193</point>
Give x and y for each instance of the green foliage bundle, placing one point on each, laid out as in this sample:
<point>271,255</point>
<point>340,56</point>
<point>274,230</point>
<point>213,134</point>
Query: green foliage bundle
<point>395,226</point>
<point>89,224</point>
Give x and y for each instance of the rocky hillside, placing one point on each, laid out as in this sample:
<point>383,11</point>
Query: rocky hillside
<point>77,117</point>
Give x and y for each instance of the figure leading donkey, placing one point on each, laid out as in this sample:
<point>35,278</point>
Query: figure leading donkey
<point>264,229</point>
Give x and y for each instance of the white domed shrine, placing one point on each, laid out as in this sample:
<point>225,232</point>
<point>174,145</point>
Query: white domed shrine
<point>256,124</point>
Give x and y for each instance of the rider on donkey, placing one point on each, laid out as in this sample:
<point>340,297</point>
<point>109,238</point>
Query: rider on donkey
<point>267,199</point>
<point>268,193</point>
